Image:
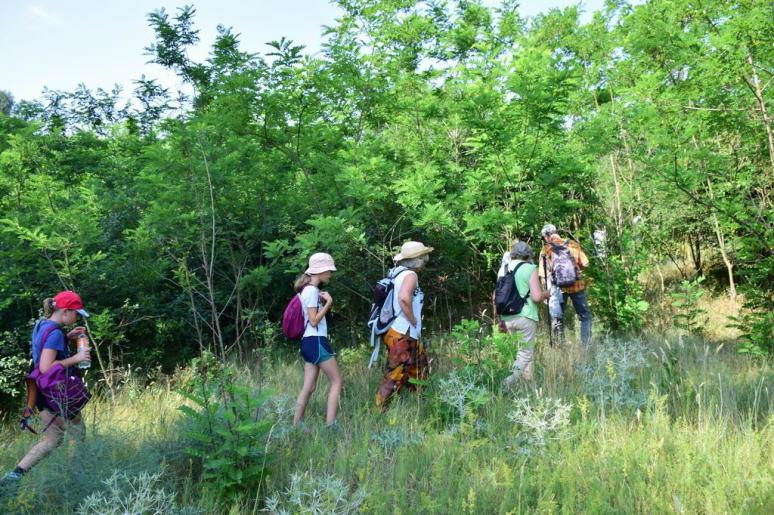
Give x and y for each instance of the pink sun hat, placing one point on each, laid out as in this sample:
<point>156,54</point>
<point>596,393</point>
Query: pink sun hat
<point>319,263</point>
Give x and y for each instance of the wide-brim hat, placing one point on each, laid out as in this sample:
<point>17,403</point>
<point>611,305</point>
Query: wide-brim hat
<point>70,300</point>
<point>319,263</point>
<point>412,249</point>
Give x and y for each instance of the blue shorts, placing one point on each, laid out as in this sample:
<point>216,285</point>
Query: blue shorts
<point>316,349</point>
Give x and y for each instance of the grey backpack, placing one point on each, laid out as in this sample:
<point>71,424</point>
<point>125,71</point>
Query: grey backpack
<point>563,268</point>
<point>383,312</point>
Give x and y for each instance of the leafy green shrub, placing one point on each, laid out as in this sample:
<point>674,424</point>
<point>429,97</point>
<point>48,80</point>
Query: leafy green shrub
<point>689,316</point>
<point>14,365</point>
<point>618,298</point>
<point>12,372</point>
<point>228,430</point>
<point>485,358</point>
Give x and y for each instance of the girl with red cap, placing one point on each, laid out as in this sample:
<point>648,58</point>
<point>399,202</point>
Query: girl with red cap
<point>49,347</point>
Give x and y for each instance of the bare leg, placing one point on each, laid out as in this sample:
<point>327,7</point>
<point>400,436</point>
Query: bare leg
<point>331,369</point>
<point>52,438</point>
<point>310,382</point>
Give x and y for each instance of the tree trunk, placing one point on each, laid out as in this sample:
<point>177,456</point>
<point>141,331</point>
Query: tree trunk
<point>722,247</point>
<point>756,84</point>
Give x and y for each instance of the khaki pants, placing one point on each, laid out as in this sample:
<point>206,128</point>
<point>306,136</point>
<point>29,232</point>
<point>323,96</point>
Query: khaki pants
<point>523,366</point>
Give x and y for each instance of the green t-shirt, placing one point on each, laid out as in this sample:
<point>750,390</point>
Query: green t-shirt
<point>522,275</point>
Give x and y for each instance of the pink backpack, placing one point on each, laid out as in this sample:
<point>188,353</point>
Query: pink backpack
<point>293,325</point>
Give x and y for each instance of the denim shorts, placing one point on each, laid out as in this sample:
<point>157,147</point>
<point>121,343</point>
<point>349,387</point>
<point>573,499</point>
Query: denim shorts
<point>316,349</point>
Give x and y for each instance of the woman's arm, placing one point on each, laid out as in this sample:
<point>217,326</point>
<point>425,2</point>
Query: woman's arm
<point>535,291</point>
<point>48,359</point>
<point>406,297</point>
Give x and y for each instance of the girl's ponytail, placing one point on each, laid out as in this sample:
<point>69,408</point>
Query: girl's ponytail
<point>48,307</point>
<point>301,281</point>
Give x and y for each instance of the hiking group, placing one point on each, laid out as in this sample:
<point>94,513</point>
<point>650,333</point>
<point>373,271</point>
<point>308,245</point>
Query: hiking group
<point>58,393</point>
<point>396,314</point>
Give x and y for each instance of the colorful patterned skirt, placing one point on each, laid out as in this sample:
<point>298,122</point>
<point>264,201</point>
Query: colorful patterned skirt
<point>406,359</point>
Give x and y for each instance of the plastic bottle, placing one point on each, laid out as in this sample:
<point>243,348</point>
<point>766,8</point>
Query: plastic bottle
<point>83,343</point>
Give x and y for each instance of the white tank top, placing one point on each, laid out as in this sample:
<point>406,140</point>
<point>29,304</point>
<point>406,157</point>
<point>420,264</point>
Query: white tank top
<point>401,323</point>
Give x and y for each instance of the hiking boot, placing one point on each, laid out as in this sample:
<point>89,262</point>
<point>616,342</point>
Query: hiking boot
<point>528,370</point>
<point>510,381</point>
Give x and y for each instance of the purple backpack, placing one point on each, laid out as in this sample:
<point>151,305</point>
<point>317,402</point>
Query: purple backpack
<point>293,325</point>
<point>65,394</point>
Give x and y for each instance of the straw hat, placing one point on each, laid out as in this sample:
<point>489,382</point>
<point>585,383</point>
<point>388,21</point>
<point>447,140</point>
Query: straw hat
<point>319,263</point>
<point>412,249</point>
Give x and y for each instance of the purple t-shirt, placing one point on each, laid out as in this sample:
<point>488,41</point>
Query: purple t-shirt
<point>55,340</point>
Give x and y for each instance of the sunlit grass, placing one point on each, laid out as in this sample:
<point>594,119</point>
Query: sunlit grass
<point>689,429</point>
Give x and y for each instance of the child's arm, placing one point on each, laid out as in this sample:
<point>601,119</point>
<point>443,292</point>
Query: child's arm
<point>48,359</point>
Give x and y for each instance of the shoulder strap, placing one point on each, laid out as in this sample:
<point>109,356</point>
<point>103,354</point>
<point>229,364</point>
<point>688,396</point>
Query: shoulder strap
<point>395,275</point>
<point>46,332</point>
<point>514,279</point>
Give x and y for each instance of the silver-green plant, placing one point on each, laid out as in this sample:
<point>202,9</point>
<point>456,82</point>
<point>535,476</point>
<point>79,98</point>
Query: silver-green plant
<point>612,375</point>
<point>315,495</point>
<point>538,422</point>
<point>390,440</point>
<point>132,495</point>
<point>460,391</point>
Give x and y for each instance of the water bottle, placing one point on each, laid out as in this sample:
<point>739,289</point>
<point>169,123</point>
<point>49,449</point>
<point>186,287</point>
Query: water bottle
<point>83,344</point>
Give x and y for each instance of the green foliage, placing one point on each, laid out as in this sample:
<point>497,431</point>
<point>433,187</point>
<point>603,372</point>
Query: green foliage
<point>14,366</point>
<point>12,372</point>
<point>183,221</point>
<point>227,431</point>
<point>757,320</point>
<point>688,315</point>
<point>486,358</point>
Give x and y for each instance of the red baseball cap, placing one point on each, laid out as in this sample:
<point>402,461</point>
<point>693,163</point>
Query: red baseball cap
<point>70,300</point>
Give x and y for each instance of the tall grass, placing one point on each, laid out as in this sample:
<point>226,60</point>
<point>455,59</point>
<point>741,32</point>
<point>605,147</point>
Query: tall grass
<point>633,425</point>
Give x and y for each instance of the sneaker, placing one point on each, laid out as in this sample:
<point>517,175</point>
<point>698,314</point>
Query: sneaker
<point>11,477</point>
<point>9,483</point>
<point>301,427</point>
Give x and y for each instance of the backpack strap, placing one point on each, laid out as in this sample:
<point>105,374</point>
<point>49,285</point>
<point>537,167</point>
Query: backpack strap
<point>32,387</point>
<point>46,332</point>
<point>524,298</point>
<point>394,276</point>
<point>375,344</point>
<point>303,308</point>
